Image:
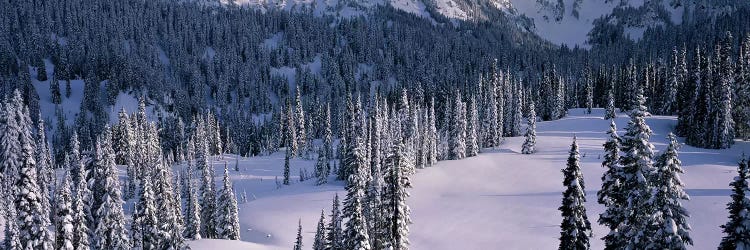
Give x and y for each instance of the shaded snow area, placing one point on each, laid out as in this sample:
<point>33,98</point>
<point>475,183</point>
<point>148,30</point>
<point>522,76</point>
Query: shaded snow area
<point>499,198</point>
<point>569,25</point>
<point>71,106</point>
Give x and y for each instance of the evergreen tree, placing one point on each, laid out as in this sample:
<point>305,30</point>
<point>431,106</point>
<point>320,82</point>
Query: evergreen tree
<point>335,234</point>
<point>589,90</point>
<point>611,195</point>
<point>298,242</point>
<point>299,120</point>
<point>228,220</point>
<point>321,168</point>
<point>575,226</point>
<point>432,135</point>
<point>64,213</point>
<point>472,146</point>
<point>395,196</point>
<point>12,239</point>
<point>672,232</point>
<point>82,212</point>
<point>637,166</point>
<point>31,217</point>
<point>355,234</point>
<point>168,208</point>
<point>724,128</point>
<point>286,166</point>
<point>144,229</point>
<point>737,230</point>
<point>529,145</point>
<point>458,130</point>
<point>110,232</point>
<point>193,211</point>
<point>320,237</point>
<point>45,173</point>
<point>328,138</point>
<point>208,196</point>
<point>489,126</point>
<point>609,112</point>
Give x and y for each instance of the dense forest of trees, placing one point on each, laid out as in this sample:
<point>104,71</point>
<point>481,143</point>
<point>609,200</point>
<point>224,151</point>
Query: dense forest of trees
<point>373,99</point>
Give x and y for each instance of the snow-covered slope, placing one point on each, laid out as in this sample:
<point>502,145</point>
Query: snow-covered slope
<point>499,198</point>
<point>569,21</point>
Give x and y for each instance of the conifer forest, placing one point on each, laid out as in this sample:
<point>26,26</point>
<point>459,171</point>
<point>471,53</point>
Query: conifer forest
<point>374,124</point>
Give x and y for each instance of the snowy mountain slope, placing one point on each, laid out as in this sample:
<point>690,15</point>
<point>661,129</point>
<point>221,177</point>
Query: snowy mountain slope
<point>500,197</point>
<point>570,22</point>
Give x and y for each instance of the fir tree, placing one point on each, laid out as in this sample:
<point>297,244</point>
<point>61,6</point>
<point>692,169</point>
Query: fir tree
<point>472,146</point>
<point>737,229</point>
<point>12,239</point>
<point>589,90</point>
<point>64,213</point>
<point>458,130</point>
<point>575,226</point>
<point>321,168</point>
<point>81,213</point>
<point>208,196</point>
<point>320,238</point>
<point>609,112</point>
<point>328,137</point>
<point>227,215</point>
<point>397,183</point>
<point>144,228</point>
<point>31,217</point>
<point>299,120</point>
<point>529,145</point>
<point>298,242</point>
<point>193,212</point>
<point>110,232</point>
<point>355,234</point>
<point>672,232</point>
<point>286,166</point>
<point>335,234</point>
<point>611,195</point>
<point>637,166</point>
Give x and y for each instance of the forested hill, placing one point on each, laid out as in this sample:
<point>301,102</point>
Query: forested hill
<point>187,58</point>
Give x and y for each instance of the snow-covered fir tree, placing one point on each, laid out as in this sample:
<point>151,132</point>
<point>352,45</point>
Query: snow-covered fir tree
<point>45,172</point>
<point>110,232</point>
<point>322,168</point>
<point>288,154</point>
<point>575,227</point>
<point>227,214</point>
<point>355,233</point>
<point>64,212</point>
<point>529,145</point>
<point>457,147</point>
<point>320,234</point>
<point>673,228</point>
<point>737,230</point>
<point>207,194</point>
<point>31,217</point>
<point>398,213</point>
<point>81,210</point>
<point>192,211</point>
<point>299,120</point>
<point>334,230</point>
<point>298,242</point>
<point>637,167</point>
<point>144,229</point>
<point>611,194</point>
<point>472,145</point>
<point>609,112</point>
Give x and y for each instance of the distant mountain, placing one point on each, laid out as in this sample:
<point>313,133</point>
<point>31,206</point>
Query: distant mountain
<point>562,22</point>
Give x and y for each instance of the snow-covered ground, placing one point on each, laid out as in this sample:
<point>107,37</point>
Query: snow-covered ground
<point>499,198</point>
